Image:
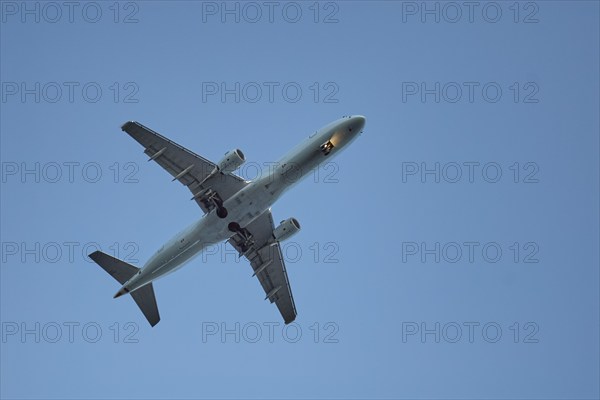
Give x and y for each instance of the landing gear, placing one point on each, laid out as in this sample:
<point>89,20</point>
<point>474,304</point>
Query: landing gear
<point>244,241</point>
<point>327,147</point>
<point>221,212</point>
<point>234,227</point>
<point>210,199</point>
<point>246,244</point>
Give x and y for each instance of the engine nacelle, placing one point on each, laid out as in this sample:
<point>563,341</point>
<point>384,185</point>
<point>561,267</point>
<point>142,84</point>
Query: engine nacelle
<point>233,160</point>
<point>286,229</point>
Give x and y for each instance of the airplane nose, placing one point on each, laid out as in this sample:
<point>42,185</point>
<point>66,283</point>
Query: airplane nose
<point>358,122</point>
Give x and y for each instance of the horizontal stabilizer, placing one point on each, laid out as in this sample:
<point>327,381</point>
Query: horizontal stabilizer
<point>118,269</point>
<point>122,272</point>
<point>144,297</point>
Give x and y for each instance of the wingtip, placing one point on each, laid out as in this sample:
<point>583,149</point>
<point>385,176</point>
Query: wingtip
<point>126,125</point>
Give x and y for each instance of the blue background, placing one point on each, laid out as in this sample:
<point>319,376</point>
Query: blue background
<point>363,212</point>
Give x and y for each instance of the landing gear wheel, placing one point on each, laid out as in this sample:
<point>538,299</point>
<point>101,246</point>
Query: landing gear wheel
<point>234,227</point>
<point>221,212</point>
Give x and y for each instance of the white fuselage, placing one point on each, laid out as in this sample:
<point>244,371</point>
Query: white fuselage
<point>245,206</point>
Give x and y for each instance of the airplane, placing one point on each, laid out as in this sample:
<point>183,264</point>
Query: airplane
<point>235,210</point>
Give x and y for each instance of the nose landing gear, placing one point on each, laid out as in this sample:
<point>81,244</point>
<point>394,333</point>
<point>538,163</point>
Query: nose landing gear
<point>327,147</point>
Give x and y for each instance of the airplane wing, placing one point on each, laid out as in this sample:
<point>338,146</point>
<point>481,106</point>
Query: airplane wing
<point>192,170</point>
<point>256,243</point>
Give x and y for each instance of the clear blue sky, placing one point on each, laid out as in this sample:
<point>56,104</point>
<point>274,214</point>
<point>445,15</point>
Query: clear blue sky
<point>419,271</point>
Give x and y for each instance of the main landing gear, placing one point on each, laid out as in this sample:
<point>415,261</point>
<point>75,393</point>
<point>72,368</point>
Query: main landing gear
<point>246,241</point>
<point>211,199</point>
<point>221,212</point>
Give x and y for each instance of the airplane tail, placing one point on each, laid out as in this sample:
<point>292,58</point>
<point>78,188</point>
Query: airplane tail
<point>122,272</point>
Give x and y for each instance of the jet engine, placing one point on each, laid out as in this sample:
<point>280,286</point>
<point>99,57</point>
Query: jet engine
<point>286,229</point>
<point>232,160</point>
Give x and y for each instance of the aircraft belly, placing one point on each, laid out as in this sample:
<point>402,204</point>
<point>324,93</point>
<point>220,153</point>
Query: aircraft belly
<point>248,205</point>
<point>242,208</point>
